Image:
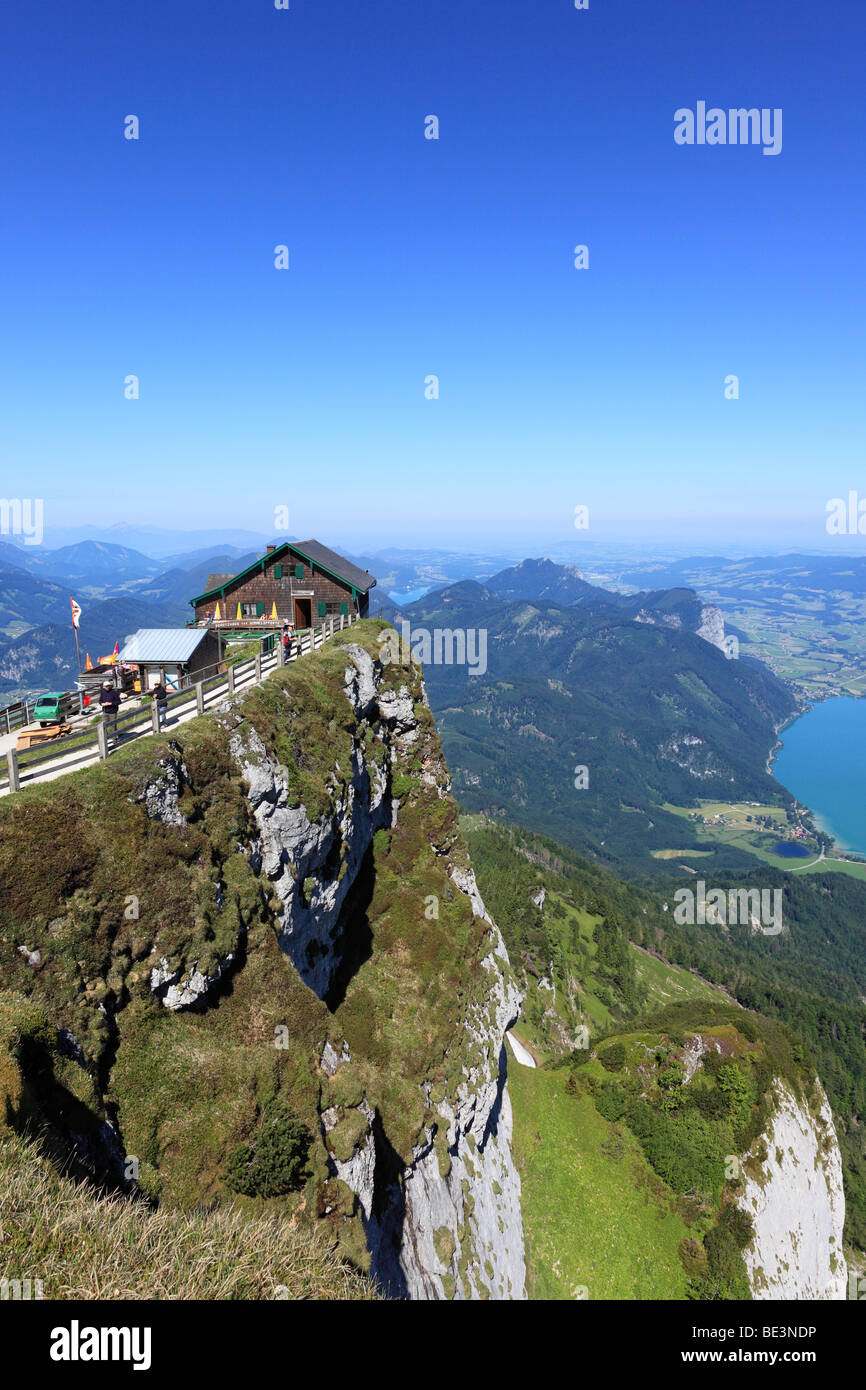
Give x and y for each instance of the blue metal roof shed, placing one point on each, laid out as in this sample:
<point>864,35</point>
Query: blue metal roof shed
<point>181,654</point>
<point>162,644</point>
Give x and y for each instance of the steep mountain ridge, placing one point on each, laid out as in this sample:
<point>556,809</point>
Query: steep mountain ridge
<point>675,607</point>
<point>270,919</point>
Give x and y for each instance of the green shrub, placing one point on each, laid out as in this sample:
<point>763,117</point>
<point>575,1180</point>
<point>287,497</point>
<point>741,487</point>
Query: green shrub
<point>685,1150</point>
<point>613,1057</point>
<point>611,1100</point>
<point>693,1257</point>
<point>736,1086</point>
<point>727,1272</point>
<point>738,1224</point>
<point>710,1103</point>
<point>275,1163</point>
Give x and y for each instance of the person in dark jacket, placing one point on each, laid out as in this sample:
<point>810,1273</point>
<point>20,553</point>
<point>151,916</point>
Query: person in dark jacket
<point>109,699</point>
<point>160,695</point>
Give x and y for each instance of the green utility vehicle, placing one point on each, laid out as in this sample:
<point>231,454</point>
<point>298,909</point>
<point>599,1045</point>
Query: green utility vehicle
<point>53,708</point>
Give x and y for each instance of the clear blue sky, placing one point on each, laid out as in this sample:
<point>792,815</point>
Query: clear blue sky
<point>411,257</point>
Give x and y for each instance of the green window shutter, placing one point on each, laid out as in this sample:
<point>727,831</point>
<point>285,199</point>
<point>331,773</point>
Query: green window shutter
<point>344,610</point>
<point>278,571</point>
<point>260,610</point>
<point>323,609</point>
<point>299,571</point>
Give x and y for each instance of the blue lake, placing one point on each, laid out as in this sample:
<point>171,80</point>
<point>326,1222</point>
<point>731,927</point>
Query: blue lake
<point>823,764</point>
<point>786,850</point>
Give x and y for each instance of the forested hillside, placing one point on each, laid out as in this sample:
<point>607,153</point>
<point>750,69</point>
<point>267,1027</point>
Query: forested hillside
<point>587,723</point>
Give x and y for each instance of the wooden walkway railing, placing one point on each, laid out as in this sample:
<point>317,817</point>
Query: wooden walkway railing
<point>95,742</point>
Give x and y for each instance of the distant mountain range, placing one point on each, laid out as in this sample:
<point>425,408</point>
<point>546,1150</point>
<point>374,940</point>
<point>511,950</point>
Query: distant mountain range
<point>121,588</point>
<point>179,584</point>
<point>157,542</point>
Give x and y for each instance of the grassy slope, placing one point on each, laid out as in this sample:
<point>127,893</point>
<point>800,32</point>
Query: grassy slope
<point>84,1246</point>
<point>670,984</point>
<point>595,1215</point>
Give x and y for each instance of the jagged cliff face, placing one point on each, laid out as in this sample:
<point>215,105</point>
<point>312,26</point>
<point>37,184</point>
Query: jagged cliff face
<point>305,924</point>
<point>458,1204</point>
<point>448,1222</point>
<point>794,1194</point>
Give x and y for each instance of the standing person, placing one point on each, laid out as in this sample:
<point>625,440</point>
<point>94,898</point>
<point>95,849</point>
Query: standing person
<point>160,695</point>
<point>287,643</point>
<point>109,699</point>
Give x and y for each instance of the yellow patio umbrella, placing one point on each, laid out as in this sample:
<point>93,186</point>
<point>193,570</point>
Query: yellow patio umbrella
<point>239,614</point>
<point>216,613</point>
<point>274,618</point>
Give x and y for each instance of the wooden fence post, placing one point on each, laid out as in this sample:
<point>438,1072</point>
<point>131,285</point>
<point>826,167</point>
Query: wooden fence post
<point>102,738</point>
<point>230,679</point>
<point>199,697</point>
<point>258,666</point>
<point>12,767</point>
<point>154,717</point>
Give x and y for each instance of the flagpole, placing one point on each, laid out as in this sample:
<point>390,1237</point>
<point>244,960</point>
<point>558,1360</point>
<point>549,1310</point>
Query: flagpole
<point>75,630</point>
